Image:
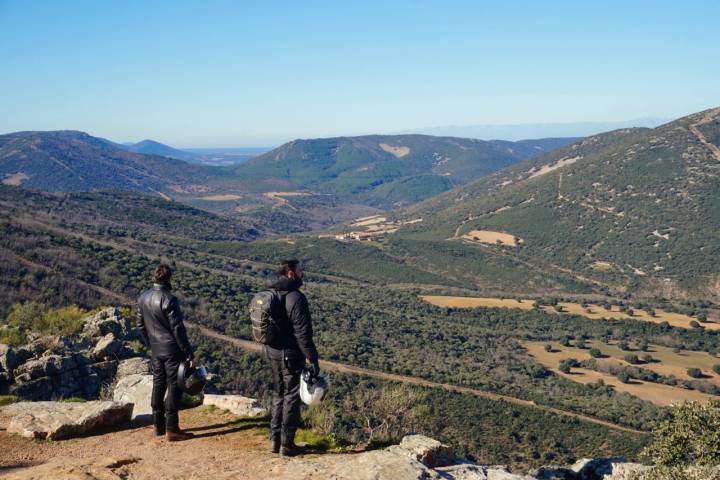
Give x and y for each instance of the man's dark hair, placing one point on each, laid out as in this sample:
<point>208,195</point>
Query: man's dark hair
<point>289,265</point>
<point>162,274</point>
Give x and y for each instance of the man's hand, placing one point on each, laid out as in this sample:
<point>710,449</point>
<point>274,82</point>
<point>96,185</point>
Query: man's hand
<point>314,368</point>
<point>190,363</point>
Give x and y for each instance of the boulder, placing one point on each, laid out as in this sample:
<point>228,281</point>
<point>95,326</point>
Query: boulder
<point>41,367</point>
<point>425,450</point>
<point>606,469</point>
<point>38,389</point>
<point>8,359</point>
<point>554,473</point>
<point>136,390</point>
<point>62,420</point>
<point>107,347</point>
<point>133,366</point>
<point>236,404</point>
<point>109,320</point>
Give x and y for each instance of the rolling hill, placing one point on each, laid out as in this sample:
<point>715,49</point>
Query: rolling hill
<point>74,161</point>
<point>151,147</point>
<point>633,210</point>
<point>387,170</point>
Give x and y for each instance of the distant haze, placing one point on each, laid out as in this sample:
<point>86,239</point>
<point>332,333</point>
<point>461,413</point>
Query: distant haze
<point>535,130</point>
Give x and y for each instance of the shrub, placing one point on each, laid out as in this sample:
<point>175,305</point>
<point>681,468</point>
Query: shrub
<point>623,376</point>
<point>716,368</point>
<point>548,347</point>
<point>624,345</point>
<point>694,372</point>
<point>695,324</point>
<point>687,446</point>
<point>595,353</point>
<point>632,359</point>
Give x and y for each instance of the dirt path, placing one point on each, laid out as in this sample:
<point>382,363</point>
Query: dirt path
<point>226,447</point>
<point>709,117</point>
<point>343,368</point>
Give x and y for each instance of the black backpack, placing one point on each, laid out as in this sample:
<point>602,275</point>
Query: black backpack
<point>267,314</point>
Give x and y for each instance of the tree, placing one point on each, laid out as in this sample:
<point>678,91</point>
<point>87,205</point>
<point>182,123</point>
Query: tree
<point>632,359</point>
<point>687,441</point>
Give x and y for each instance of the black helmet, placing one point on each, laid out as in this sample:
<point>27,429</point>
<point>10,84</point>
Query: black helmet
<point>312,388</point>
<point>191,380</point>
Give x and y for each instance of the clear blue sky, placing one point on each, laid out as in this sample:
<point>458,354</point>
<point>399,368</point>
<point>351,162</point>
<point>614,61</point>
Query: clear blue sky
<point>212,73</point>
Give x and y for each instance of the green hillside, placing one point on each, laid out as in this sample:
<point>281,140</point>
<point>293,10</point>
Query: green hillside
<point>634,209</point>
<point>381,170</point>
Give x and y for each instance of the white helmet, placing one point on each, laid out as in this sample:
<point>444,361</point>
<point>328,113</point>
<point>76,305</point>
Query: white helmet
<point>312,389</point>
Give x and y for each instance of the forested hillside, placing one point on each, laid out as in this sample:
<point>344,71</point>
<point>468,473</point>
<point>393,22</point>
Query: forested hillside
<point>388,170</point>
<point>635,210</point>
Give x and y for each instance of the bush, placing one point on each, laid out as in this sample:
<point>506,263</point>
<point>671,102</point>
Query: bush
<point>624,345</point>
<point>595,353</point>
<point>694,373</point>
<point>632,359</point>
<point>687,446</point>
<point>548,347</point>
<point>716,368</point>
<point>623,376</point>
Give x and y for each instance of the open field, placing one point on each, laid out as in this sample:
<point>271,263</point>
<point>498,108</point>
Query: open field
<point>367,221</point>
<point>593,312</point>
<point>549,168</point>
<point>659,394</point>
<point>399,152</point>
<point>221,198</point>
<point>487,236</point>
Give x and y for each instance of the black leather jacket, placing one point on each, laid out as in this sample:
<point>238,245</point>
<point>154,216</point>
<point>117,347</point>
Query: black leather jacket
<point>296,333</point>
<point>161,323</point>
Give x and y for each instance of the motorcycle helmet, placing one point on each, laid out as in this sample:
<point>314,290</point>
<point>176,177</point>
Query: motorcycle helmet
<point>312,389</point>
<point>191,380</point>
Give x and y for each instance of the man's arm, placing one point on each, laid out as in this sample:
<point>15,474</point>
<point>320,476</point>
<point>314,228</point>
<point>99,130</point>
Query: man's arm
<point>141,326</point>
<point>302,328</point>
<point>175,318</point>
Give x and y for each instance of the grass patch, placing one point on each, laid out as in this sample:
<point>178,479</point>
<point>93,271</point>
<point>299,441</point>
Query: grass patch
<point>73,400</point>
<point>320,442</point>
<point>7,399</point>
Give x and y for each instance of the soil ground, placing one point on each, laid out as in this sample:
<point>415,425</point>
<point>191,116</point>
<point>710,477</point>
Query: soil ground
<point>226,447</point>
<point>658,394</point>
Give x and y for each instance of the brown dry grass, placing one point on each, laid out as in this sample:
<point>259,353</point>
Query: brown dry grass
<point>399,152</point>
<point>221,198</point>
<point>488,236</point>
<point>663,395</point>
<point>595,312</point>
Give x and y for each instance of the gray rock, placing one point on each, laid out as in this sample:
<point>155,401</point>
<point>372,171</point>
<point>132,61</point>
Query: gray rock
<point>554,473</point>
<point>107,347</point>
<point>8,359</point>
<point>38,389</point>
<point>239,405</point>
<point>106,321</point>
<point>133,366</point>
<point>425,450</point>
<point>136,390</point>
<point>58,420</point>
<point>606,469</point>
<point>41,367</point>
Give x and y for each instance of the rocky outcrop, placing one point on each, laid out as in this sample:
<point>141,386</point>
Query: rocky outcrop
<point>236,404</point>
<point>60,420</point>
<point>136,390</point>
<point>57,367</point>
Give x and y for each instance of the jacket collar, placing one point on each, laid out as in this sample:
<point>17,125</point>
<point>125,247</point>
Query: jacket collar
<point>162,286</point>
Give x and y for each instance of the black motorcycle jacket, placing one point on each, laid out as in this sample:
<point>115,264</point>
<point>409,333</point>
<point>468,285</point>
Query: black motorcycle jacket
<point>161,323</point>
<point>296,332</point>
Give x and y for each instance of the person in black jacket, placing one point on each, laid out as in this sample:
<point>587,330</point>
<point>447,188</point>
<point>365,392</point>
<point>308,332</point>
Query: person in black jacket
<point>161,327</point>
<point>287,355</point>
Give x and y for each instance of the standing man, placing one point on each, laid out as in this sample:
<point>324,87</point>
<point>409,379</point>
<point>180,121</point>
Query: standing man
<point>287,355</point>
<point>162,329</point>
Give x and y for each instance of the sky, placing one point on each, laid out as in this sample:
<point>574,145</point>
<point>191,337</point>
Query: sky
<point>215,73</point>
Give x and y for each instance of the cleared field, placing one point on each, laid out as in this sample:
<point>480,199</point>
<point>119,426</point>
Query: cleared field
<point>663,395</point>
<point>592,311</point>
<point>15,179</point>
<point>602,266</point>
<point>221,198</point>
<point>364,222</point>
<point>545,169</point>
<point>399,152</point>
<point>488,236</point>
